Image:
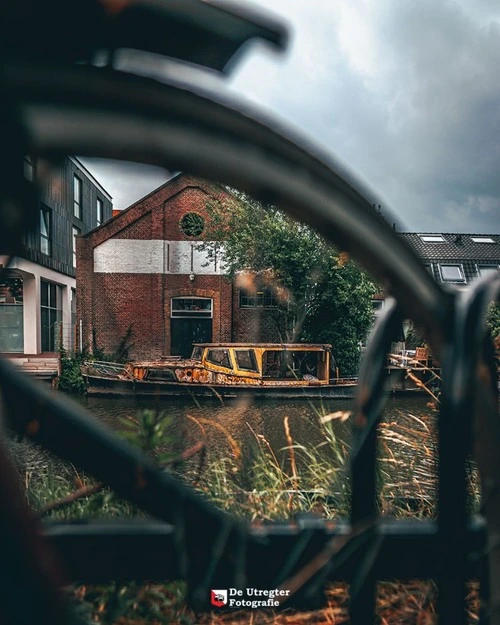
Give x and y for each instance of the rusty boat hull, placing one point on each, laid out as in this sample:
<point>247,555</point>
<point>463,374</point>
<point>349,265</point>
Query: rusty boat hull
<point>113,387</point>
<point>232,370</point>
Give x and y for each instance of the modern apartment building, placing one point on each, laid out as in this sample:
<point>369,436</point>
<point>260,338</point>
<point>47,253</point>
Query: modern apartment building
<point>38,288</point>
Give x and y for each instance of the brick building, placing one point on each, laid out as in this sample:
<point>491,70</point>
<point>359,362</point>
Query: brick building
<point>144,270</point>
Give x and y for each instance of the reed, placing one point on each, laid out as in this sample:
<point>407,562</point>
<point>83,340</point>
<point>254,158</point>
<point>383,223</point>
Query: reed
<point>259,483</point>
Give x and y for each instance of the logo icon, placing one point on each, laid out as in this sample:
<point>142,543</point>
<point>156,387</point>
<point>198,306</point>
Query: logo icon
<point>218,598</point>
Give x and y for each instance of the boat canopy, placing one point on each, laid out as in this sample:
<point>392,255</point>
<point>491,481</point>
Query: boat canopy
<point>278,361</point>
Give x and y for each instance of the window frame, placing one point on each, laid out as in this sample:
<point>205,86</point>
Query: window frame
<point>215,363</point>
<point>253,359</point>
<point>460,268</point>
<point>54,311</point>
<point>480,240</point>
<point>203,313</point>
<point>74,233</point>
<point>29,168</point>
<point>77,196</point>
<point>45,239</point>
<point>99,211</point>
<point>258,298</point>
<point>197,353</point>
<point>486,266</point>
<point>432,238</point>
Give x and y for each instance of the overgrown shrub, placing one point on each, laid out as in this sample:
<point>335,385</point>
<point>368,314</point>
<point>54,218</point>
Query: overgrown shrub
<point>71,379</point>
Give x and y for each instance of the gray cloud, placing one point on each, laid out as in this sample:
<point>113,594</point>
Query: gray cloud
<point>404,92</point>
<point>413,105</point>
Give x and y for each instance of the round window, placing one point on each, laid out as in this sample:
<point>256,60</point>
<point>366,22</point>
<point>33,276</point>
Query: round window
<point>192,224</point>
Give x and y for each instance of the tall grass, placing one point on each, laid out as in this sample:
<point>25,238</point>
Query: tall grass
<point>255,483</point>
<point>261,483</point>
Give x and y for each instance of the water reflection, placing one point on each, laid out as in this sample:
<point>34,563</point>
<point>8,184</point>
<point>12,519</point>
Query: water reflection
<point>264,470</point>
<point>246,421</point>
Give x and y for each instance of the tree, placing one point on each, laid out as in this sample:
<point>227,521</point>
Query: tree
<point>493,320</point>
<point>322,296</point>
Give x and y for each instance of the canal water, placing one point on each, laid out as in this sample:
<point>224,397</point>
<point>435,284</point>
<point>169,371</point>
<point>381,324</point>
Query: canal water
<point>245,421</point>
<point>318,430</point>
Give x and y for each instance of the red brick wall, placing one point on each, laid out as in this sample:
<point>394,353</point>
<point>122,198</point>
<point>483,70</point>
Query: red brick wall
<point>190,199</point>
<point>124,300</point>
<point>140,229</point>
<point>109,303</point>
<point>253,325</point>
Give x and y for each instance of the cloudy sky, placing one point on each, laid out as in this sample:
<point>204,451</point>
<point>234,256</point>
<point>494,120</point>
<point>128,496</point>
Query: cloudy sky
<point>406,93</point>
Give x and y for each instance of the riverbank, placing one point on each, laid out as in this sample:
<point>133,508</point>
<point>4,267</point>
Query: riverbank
<point>257,478</point>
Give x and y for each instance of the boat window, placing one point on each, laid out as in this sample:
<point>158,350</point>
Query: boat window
<point>166,375</point>
<point>197,353</point>
<point>245,359</point>
<point>299,365</point>
<point>219,357</point>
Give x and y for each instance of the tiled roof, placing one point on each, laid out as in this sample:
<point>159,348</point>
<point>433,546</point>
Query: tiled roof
<point>457,248</point>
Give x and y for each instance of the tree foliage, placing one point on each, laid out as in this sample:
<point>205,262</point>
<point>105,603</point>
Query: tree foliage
<point>493,320</point>
<point>322,296</point>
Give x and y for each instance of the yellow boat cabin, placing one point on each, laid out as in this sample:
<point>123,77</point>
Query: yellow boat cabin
<point>267,364</point>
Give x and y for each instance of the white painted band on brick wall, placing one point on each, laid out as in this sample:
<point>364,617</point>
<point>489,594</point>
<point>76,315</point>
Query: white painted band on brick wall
<point>154,256</point>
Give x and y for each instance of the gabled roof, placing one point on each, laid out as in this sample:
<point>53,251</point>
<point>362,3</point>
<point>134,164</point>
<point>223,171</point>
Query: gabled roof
<point>455,249</point>
<point>456,246</point>
<point>166,191</point>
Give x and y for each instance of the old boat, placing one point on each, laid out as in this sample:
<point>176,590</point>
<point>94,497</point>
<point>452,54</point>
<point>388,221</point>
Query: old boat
<point>226,370</point>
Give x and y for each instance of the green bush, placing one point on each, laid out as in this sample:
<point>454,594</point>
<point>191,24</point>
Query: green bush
<point>71,379</point>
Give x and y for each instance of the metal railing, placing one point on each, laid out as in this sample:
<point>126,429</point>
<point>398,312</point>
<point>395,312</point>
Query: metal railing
<point>59,107</point>
<point>65,337</point>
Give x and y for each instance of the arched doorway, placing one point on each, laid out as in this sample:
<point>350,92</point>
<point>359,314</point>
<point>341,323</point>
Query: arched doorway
<point>191,322</point>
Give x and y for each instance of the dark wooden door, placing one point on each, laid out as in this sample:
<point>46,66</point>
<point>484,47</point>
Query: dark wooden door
<point>186,331</point>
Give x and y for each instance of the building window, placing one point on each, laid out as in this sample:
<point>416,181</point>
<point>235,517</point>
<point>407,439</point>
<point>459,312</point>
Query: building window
<point>29,170</point>
<point>191,307</point>
<point>100,211</point>
<point>77,197</point>
<point>51,315</point>
<point>11,315</point>
<point>263,298</point>
<point>45,231</point>
<point>72,334</point>
<point>452,273</point>
<point>482,240</point>
<point>192,224</point>
<point>486,270</point>
<point>76,232</point>
<point>432,238</point>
